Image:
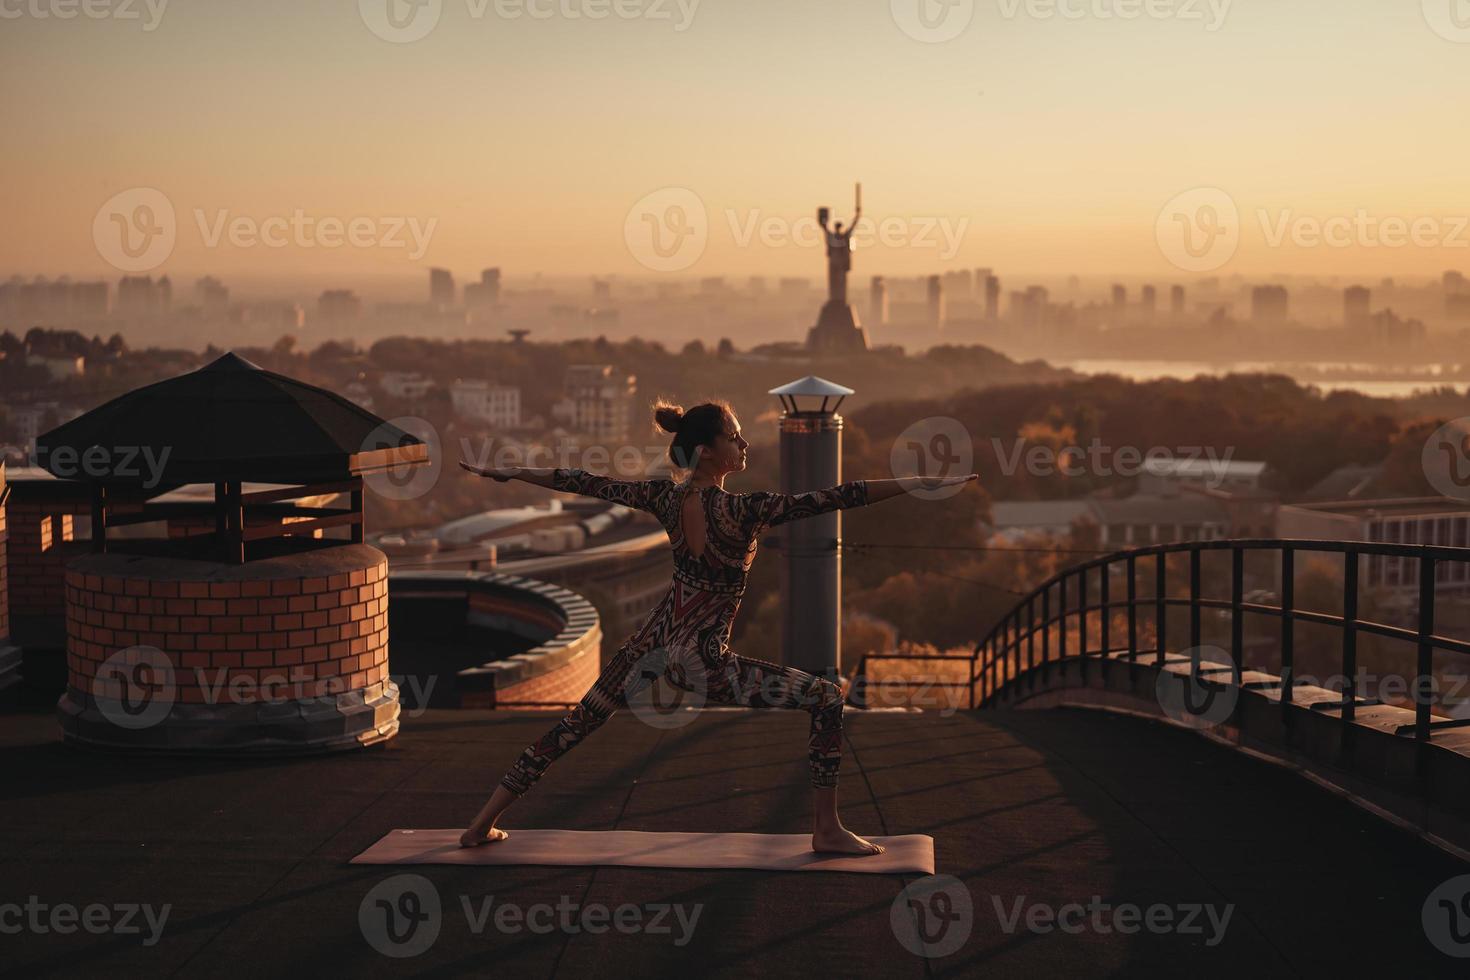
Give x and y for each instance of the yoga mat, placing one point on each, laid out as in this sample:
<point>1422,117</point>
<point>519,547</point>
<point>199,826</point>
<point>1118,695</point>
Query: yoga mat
<point>640,849</point>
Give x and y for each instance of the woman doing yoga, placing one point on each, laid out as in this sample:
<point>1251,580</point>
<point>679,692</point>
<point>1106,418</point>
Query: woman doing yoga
<point>685,638</point>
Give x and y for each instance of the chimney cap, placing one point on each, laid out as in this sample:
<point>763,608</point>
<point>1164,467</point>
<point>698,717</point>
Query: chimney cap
<point>228,420</point>
<point>811,386</point>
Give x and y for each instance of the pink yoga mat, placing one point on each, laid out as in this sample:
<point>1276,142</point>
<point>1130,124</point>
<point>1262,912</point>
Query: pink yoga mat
<point>640,849</point>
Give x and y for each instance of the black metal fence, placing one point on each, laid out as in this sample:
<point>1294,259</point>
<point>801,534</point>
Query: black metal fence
<point>1058,620</point>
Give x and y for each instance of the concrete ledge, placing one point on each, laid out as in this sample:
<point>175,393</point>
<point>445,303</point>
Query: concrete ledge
<point>295,727</point>
<point>1422,787</point>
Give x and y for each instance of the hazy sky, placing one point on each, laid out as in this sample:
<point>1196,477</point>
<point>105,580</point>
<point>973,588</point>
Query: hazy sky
<point>1030,143</point>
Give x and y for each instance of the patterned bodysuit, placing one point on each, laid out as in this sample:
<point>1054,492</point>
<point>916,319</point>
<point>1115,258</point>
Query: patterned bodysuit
<point>686,637</point>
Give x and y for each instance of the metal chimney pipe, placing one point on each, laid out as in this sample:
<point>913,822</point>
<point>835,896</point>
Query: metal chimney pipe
<point>811,573</point>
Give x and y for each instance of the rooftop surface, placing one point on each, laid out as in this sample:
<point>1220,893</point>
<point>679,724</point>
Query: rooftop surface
<point>1041,808</point>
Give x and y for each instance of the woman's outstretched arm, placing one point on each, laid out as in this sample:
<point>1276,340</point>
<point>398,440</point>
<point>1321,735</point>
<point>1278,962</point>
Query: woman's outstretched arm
<point>539,475</point>
<point>765,508</point>
<point>629,493</point>
<point>883,489</point>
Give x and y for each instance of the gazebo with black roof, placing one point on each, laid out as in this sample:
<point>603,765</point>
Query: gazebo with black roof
<point>226,423</point>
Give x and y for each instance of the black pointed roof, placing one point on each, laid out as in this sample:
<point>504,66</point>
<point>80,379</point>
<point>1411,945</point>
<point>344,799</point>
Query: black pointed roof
<point>229,420</point>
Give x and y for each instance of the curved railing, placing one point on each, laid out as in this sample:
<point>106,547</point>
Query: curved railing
<point>1051,624</point>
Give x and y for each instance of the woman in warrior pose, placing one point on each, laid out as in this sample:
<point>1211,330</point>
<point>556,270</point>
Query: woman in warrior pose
<point>713,533</point>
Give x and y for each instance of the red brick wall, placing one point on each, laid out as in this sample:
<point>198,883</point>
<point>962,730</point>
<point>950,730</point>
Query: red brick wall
<point>567,683</point>
<point>38,550</point>
<point>271,637</point>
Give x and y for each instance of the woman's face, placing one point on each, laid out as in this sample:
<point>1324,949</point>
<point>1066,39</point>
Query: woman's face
<point>728,451</point>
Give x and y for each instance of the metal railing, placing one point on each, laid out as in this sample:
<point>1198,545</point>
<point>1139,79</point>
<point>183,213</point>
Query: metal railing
<point>1021,644</point>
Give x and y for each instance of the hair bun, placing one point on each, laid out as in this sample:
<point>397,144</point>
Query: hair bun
<point>668,417</point>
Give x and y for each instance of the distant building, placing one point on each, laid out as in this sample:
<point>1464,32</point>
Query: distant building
<point>1357,302</point>
<point>878,301</point>
<point>483,401</point>
<point>992,298</point>
<point>89,300</point>
<point>1120,298</point>
<point>601,292</point>
<point>1347,482</point>
<point>486,292</point>
<point>441,289</point>
<point>1148,302</point>
<point>936,312</point>
<point>61,301</point>
<point>1429,520</point>
<point>60,367</point>
<point>1270,304</point>
<point>1455,282</point>
<point>1457,307</point>
<point>337,305</point>
<point>1168,476</point>
<point>359,394</point>
<point>411,385</point>
<point>1011,520</point>
<point>1145,519</point>
<point>959,283</point>
<point>214,297</point>
<point>141,296</point>
<point>1387,329</point>
<point>1136,521</point>
<point>1176,300</point>
<point>792,286</point>
<point>1028,309</point>
<point>33,419</point>
<point>598,401</point>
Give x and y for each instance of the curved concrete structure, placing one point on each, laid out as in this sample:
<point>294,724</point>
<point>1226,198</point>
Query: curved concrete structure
<point>564,627</point>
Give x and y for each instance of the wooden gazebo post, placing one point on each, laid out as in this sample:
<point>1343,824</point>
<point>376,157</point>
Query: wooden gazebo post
<point>99,516</point>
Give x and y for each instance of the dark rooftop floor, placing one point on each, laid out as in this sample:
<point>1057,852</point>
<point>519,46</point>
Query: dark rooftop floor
<point>1053,806</point>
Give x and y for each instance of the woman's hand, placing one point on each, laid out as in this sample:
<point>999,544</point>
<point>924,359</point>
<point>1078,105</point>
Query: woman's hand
<point>501,473</point>
<point>935,483</point>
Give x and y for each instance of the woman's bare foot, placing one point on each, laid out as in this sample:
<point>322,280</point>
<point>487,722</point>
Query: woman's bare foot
<point>472,838</point>
<point>840,840</point>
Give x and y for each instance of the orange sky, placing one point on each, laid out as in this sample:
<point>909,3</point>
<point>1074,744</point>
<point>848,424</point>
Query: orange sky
<point>1030,143</point>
